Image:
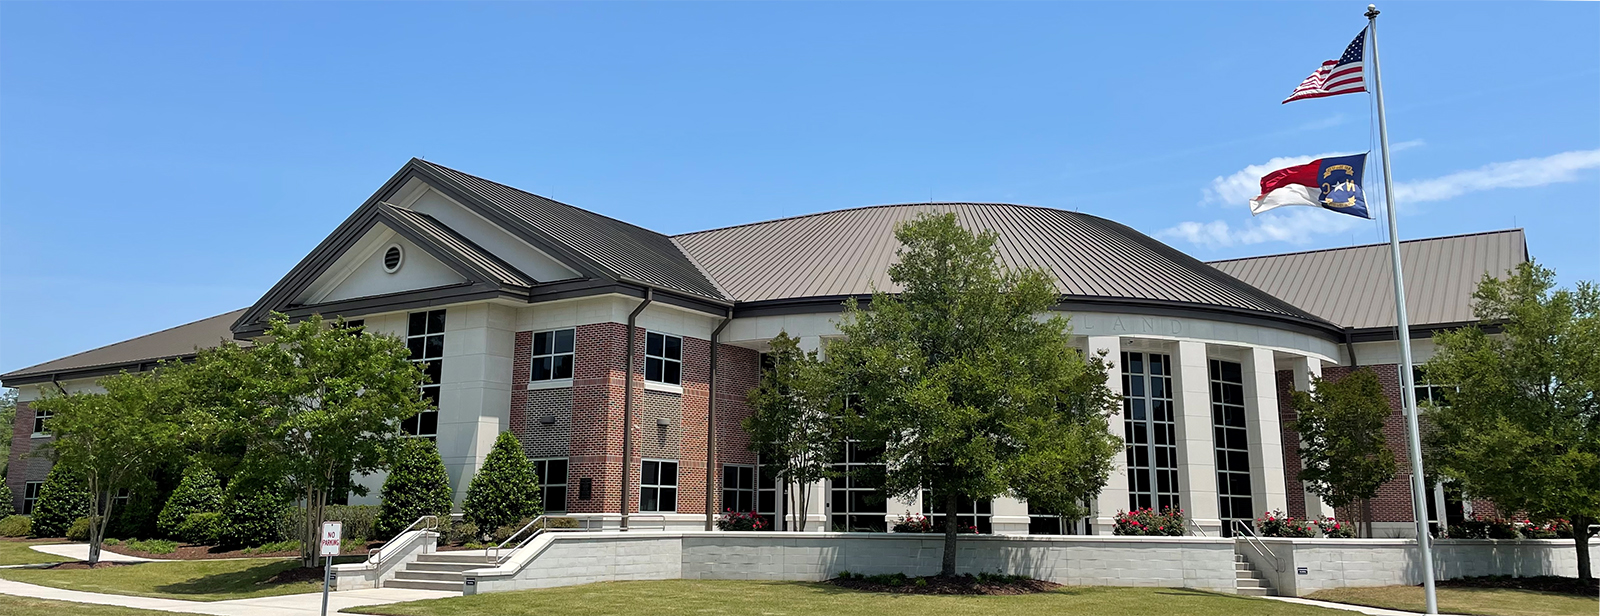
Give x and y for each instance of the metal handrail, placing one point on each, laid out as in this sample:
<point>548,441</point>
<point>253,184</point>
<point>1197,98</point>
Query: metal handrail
<point>1242,529</point>
<point>1197,527</point>
<point>493,554</point>
<point>428,522</point>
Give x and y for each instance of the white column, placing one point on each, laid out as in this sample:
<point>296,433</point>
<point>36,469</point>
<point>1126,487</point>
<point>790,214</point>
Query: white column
<point>1267,484</point>
<point>1114,497</point>
<point>1304,369</point>
<point>1009,516</point>
<point>475,393</point>
<point>1197,466</point>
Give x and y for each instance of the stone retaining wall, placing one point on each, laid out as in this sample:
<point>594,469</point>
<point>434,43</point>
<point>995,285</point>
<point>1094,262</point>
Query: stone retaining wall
<point>1339,563</point>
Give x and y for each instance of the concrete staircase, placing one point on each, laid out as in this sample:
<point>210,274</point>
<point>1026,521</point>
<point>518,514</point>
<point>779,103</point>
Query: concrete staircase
<point>1248,581</point>
<point>438,571</point>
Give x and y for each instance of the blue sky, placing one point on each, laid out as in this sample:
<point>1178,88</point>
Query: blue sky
<point>165,162</point>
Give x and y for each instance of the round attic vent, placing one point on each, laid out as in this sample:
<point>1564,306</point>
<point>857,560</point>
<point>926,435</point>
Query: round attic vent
<point>392,258</point>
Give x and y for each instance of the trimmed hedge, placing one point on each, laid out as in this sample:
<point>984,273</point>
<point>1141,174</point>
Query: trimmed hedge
<point>505,489</point>
<point>79,531</point>
<point>358,520</point>
<point>5,500</point>
<point>203,528</point>
<point>198,492</point>
<point>15,526</point>
<point>417,485</point>
<point>251,516</point>
<point>63,498</point>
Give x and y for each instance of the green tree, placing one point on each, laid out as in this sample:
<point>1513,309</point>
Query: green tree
<point>253,510</point>
<point>505,489</point>
<point>115,441</point>
<point>8,418</point>
<point>790,425</point>
<point>199,492</point>
<point>417,485</point>
<point>1523,430</point>
<point>1344,455</point>
<point>972,392</point>
<point>62,500</point>
<point>311,402</point>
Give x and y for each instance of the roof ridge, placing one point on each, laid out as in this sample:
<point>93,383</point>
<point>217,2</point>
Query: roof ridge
<point>24,369</point>
<point>878,206</point>
<point>1373,245</point>
<point>560,203</point>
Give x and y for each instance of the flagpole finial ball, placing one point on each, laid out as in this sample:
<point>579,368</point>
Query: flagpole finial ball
<point>1372,11</point>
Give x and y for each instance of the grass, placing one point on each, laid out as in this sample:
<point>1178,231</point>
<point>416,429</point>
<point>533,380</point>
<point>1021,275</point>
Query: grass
<point>1489,601</point>
<point>192,580</point>
<point>725,597</point>
<point>28,606</point>
<point>17,552</point>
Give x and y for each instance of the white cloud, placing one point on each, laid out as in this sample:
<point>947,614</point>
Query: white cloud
<point>1301,225</point>
<point>1525,173</point>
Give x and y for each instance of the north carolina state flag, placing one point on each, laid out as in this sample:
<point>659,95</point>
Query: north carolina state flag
<point>1332,183</point>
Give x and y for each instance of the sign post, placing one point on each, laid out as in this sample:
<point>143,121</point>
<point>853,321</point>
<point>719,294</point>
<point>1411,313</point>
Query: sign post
<point>330,542</point>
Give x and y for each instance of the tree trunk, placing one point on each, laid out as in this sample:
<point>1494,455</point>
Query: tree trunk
<point>1366,518</point>
<point>97,521</point>
<point>802,500</point>
<point>947,565</point>
<point>1580,537</point>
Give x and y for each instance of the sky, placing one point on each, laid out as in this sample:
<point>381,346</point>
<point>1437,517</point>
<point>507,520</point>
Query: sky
<point>165,162</point>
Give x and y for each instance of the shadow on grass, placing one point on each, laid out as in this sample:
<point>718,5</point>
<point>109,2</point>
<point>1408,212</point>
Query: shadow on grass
<point>241,581</point>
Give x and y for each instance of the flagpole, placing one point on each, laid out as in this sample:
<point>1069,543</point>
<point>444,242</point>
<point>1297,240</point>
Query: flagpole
<point>1408,392</point>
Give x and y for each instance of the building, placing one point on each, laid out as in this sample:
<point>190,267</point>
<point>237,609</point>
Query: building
<point>523,308</point>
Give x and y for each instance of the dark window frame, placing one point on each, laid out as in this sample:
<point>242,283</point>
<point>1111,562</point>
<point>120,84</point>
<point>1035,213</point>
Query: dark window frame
<point>549,359</point>
<point>425,338</point>
<point>653,490</point>
<point>548,489</point>
<point>30,496</point>
<point>663,358</point>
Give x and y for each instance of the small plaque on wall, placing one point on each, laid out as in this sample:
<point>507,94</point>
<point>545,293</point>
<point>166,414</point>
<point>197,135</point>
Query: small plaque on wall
<point>1301,570</point>
<point>585,488</point>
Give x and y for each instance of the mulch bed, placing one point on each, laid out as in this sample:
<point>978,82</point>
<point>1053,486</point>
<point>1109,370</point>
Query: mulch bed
<point>1543,583</point>
<point>83,565</point>
<point>207,552</point>
<point>958,585</point>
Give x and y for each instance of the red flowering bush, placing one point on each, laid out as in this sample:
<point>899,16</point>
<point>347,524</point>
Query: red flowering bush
<point>912,523</point>
<point>1280,524</point>
<point>741,520</point>
<point>1149,522</point>
<point>1334,529</point>
<point>1479,528</point>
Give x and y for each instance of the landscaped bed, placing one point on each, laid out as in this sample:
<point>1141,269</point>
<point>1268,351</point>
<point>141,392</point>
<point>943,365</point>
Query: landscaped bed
<point>197,580</point>
<point>981,584</point>
<point>728,597</point>
<point>1492,596</point>
<point>176,551</point>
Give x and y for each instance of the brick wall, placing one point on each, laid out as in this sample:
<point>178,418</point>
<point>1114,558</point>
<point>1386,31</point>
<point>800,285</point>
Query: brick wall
<point>1291,444</point>
<point>23,467</point>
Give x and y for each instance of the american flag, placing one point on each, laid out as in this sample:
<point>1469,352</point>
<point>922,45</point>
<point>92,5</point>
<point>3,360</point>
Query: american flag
<point>1335,77</point>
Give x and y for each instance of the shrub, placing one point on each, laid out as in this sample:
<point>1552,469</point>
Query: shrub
<point>504,490</point>
<point>15,526</point>
<point>202,528</point>
<point>273,547</point>
<point>912,523</point>
<point>1479,528</point>
<point>505,532</point>
<point>152,546</point>
<point>136,516</point>
<point>251,516</point>
<point>417,485</point>
<point>1149,522</point>
<point>1280,524</point>
<point>736,520</point>
<point>198,492</point>
<point>5,501</point>
<point>62,499</point>
<point>1334,529</point>
<point>458,533</point>
<point>358,520</point>
<point>79,531</point>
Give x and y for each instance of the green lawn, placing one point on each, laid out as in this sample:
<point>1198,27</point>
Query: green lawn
<point>27,606</point>
<point>720,597</point>
<point>193,580</point>
<point>17,552</point>
<point>1490,601</point>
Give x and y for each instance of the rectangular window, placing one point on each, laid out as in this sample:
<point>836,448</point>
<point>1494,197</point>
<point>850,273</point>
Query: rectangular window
<point>552,355</point>
<point>970,514</point>
<point>356,326</point>
<point>1042,521</point>
<point>425,339</point>
<point>663,358</point>
<point>658,486</point>
<point>30,496</point>
<point>738,487</point>
<point>1429,393</point>
<point>552,473</point>
<point>770,496</point>
<point>1149,429</point>
<point>1232,444</point>
<point>39,418</point>
<point>856,497</point>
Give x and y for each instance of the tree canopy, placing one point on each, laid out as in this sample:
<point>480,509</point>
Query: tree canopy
<point>973,392</point>
<point>791,426</point>
<point>1344,453</point>
<point>1523,429</point>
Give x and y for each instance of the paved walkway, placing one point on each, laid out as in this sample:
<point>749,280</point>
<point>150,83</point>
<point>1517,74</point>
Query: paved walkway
<point>1371,611</point>
<point>80,551</point>
<point>309,604</point>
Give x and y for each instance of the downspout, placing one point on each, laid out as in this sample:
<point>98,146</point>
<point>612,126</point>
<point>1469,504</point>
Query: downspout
<point>1350,346</point>
<point>711,427</point>
<point>627,405</point>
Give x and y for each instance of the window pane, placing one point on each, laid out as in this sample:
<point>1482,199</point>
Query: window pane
<point>674,347</point>
<point>652,369</point>
<point>436,322</point>
<point>648,499</point>
<point>541,369</point>
<point>671,374</point>
<point>562,368</point>
<point>651,474</point>
<point>669,499</point>
<point>653,344</point>
<point>558,472</point>
<point>418,324</point>
<point>434,369</point>
<point>555,498</point>
<point>415,346</point>
<point>434,348</point>
<point>563,341</point>
<point>669,473</point>
<point>430,422</point>
<point>541,343</point>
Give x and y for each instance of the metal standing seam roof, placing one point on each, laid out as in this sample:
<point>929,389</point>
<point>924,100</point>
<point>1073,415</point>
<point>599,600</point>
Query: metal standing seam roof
<point>848,252</point>
<point>1354,287</point>
<point>629,251</point>
<point>447,239</point>
<point>178,341</point>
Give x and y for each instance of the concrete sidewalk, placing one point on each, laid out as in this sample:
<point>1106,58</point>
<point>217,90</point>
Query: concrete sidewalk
<point>309,604</point>
<point>80,551</point>
<point>1370,611</point>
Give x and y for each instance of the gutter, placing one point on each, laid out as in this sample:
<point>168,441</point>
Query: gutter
<point>711,426</point>
<point>627,403</point>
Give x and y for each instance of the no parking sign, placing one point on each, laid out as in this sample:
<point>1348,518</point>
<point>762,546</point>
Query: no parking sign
<point>331,532</point>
